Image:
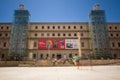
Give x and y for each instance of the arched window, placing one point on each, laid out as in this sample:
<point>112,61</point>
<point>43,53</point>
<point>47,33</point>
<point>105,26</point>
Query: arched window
<point>4,44</point>
<point>75,34</point>
<point>69,34</point>
<point>74,27</point>
<point>64,34</point>
<point>68,27</point>
<point>63,27</point>
<point>115,27</point>
<point>58,27</point>
<point>36,27</point>
<point>41,56</point>
<point>53,34</point>
<point>42,27</point>
<point>81,27</point>
<point>53,27</point>
<point>110,27</point>
<point>35,34</point>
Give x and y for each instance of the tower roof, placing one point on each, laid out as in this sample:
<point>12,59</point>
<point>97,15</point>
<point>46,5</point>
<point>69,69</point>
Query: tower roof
<point>21,7</point>
<point>96,7</point>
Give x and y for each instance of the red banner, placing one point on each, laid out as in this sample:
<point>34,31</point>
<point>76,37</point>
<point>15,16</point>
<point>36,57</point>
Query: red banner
<point>42,44</point>
<point>51,44</point>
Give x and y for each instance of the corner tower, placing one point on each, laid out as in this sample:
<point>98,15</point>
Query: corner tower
<point>98,33</point>
<point>18,37</point>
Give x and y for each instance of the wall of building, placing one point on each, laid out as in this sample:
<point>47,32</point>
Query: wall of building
<point>59,31</point>
<point>5,29</point>
<point>114,37</point>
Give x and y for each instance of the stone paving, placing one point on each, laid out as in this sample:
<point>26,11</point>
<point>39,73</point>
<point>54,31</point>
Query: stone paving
<point>60,73</point>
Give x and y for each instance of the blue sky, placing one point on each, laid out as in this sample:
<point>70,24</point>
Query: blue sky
<point>59,10</point>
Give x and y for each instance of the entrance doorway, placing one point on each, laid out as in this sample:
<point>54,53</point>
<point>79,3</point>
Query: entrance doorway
<point>59,56</point>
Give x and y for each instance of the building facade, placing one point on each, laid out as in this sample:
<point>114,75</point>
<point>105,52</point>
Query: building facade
<point>58,40</point>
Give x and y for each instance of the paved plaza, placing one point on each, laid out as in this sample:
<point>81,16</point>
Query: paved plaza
<point>60,73</point>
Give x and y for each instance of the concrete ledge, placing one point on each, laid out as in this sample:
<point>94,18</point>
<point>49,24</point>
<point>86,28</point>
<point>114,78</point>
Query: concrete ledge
<point>49,63</point>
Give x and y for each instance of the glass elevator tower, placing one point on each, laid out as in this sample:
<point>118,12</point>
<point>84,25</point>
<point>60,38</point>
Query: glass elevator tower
<point>98,33</point>
<point>18,37</point>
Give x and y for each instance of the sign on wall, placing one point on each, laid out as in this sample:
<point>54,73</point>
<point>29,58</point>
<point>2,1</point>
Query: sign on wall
<point>51,43</point>
<point>57,44</point>
<point>71,44</point>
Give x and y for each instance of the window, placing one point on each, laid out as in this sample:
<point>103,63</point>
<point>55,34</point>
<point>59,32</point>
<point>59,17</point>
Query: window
<point>34,56</point>
<point>53,27</point>
<point>74,27</point>
<point>7,27</point>
<point>48,27</point>
<point>81,27</point>
<point>35,34</point>
<point>2,56</point>
<point>82,44</point>
<point>0,34</point>
<point>64,34</point>
<point>35,44</point>
<point>81,34</point>
<point>41,56</point>
<point>53,34</point>
<point>6,34</point>
<point>75,34</point>
<point>63,27</point>
<point>58,27</point>
<point>115,27</point>
<point>53,55</point>
<point>68,27</point>
<point>111,34</point>
<point>117,35</point>
<point>70,55</point>
<point>4,44</point>
<point>58,34</point>
<point>42,27</point>
<point>36,27</point>
<point>113,45</point>
<point>1,27</point>
<point>110,27</point>
<point>69,34</point>
<point>47,55</point>
<point>118,44</point>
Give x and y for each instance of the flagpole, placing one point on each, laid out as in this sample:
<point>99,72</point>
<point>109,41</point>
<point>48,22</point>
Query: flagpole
<point>79,44</point>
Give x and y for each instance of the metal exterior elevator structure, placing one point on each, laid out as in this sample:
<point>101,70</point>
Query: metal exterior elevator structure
<point>98,33</point>
<point>19,34</point>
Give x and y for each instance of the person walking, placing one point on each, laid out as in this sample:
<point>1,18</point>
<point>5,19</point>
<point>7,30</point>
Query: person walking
<point>76,60</point>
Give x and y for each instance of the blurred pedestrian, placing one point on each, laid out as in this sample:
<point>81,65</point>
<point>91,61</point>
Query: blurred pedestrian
<point>76,60</point>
